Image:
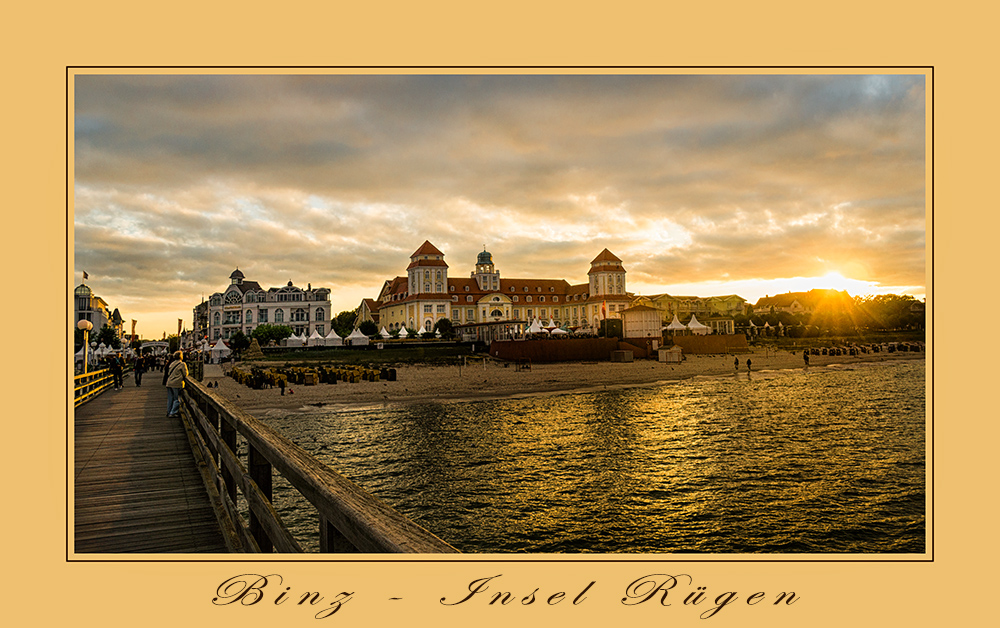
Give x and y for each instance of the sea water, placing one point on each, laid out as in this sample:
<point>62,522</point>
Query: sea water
<point>812,460</point>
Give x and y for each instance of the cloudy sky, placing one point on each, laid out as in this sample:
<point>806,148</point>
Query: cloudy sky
<point>702,185</point>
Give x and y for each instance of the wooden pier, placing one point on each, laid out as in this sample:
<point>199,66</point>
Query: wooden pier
<point>137,487</point>
<point>145,482</point>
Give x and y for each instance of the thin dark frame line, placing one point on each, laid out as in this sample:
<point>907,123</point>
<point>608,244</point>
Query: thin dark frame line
<point>699,558</point>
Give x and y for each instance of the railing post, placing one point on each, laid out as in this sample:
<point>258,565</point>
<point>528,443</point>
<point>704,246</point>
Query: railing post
<point>228,435</point>
<point>331,541</point>
<point>260,472</point>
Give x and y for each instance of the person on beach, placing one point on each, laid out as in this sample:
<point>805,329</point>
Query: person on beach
<point>805,356</point>
<point>174,380</point>
<point>736,362</point>
<point>748,364</point>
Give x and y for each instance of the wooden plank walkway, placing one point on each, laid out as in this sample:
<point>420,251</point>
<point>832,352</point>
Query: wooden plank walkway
<point>137,487</point>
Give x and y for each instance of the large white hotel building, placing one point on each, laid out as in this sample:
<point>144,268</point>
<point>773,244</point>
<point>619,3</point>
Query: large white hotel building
<point>486,301</point>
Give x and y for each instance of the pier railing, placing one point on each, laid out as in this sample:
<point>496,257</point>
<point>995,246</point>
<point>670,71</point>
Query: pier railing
<point>350,519</point>
<point>86,386</point>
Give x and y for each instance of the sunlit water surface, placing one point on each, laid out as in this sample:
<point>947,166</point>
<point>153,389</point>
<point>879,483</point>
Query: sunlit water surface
<point>809,460</point>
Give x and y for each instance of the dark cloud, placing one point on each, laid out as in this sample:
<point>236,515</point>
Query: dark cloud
<point>335,180</point>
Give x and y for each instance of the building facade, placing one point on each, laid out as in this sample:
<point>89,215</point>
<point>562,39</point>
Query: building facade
<point>89,307</point>
<point>244,305</point>
<point>428,294</point>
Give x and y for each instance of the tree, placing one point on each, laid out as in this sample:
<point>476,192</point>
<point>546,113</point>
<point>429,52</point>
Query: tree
<point>343,323</point>
<point>109,337</point>
<point>266,333</point>
<point>238,342</point>
<point>368,328</point>
<point>446,328</point>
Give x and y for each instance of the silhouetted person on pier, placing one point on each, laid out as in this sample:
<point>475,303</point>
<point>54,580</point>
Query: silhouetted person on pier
<point>116,371</point>
<point>138,368</point>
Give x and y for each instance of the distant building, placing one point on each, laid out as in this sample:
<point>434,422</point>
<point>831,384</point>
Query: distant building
<point>803,302</point>
<point>89,307</point>
<point>716,313</point>
<point>488,307</point>
<point>642,321</point>
<point>244,305</point>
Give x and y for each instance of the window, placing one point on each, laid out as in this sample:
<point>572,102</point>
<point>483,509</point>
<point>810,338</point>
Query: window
<point>496,313</point>
<point>320,330</point>
<point>233,297</point>
<point>249,317</point>
<point>440,309</point>
<point>319,314</point>
<point>528,299</point>
<point>470,314</point>
<point>526,288</point>
<point>216,319</point>
<point>279,315</point>
<point>454,314</point>
<point>428,309</point>
<point>469,298</point>
<point>514,298</point>
<point>466,288</point>
<point>542,298</point>
<point>556,299</point>
<point>262,316</point>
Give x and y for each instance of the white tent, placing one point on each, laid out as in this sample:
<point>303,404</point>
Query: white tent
<point>675,325</point>
<point>536,328</point>
<point>559,332</point>
<point>403,333</point>
<point>333,339</point>
<point>316,340</point>
<point>357,339</point>
<point>293,341</point>
<point>552,324</point>
<point>697,328</point>
<point>384,333</point>
<point>219,351</point>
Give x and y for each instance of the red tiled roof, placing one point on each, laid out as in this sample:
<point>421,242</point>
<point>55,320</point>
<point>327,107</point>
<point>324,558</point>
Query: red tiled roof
<point>427,249</point>
<point>427,262</point>
<point>606,256</point>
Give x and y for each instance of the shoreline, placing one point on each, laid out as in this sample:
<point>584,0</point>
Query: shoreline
<point>448,384</point>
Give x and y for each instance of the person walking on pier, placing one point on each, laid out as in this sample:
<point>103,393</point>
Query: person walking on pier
<point>173,378</point>
<point>138,368</point>
<point>116,371</point>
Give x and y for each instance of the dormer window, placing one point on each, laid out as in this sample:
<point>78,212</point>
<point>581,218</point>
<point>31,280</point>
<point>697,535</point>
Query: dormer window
<point>466,288</point>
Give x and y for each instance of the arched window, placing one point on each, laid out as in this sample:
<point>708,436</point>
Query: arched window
<point>496,313</point>
<point>233,297</point>
<point>216,319</point>
<point>514,298</point>
<point>319,314</point>
<point>249,317</point>
<point>279,315</point>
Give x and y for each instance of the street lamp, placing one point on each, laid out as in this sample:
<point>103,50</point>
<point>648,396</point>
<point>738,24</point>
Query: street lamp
<point>86,326</point>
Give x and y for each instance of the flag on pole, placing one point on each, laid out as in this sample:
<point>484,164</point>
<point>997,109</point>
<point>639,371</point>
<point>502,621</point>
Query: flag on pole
<point>179,321</point>
<point>85,275</point>
<point>133,329</point>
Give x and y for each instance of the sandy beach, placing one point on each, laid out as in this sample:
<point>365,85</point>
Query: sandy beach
<point>415,384</point>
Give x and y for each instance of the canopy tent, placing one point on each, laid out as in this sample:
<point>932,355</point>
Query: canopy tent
<point>675,325</point>
<point>403,333</point>
<point>552,325</point>
<point>316,340</point>
<point>293,341</point>
<point>697,328</point>
<point>384,333</point>
<point>357,339</point>
<point>333,339</point>
<point>219,351</point>
<point>559,332</point>
<point>536,328</point>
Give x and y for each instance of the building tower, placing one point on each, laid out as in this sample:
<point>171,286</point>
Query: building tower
<point>237,277</point>
<point>607,276</point>
<point>427,272</point>
<point>486,275</point>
